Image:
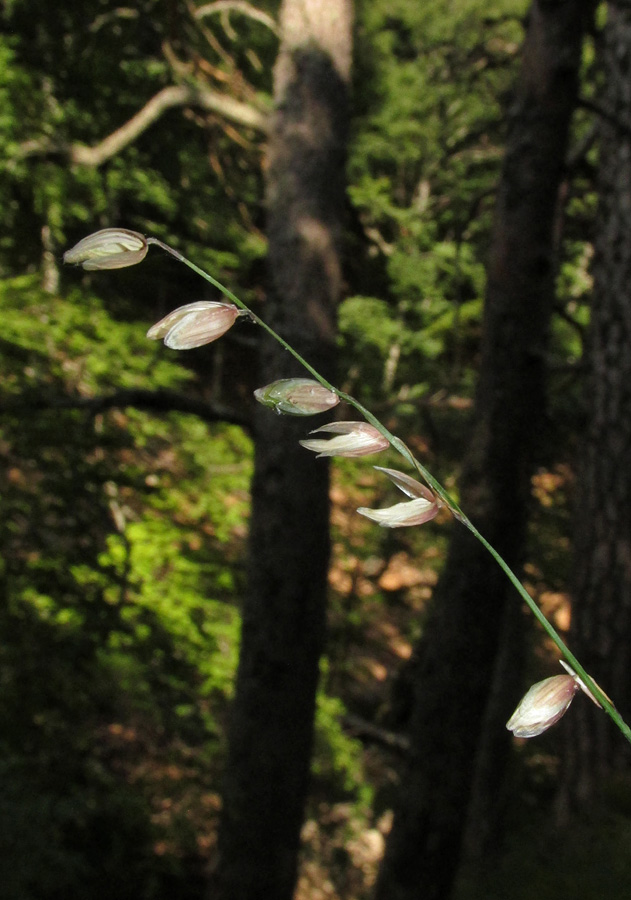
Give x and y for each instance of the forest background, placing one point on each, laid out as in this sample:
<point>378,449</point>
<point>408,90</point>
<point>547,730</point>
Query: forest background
<point>126,468</point>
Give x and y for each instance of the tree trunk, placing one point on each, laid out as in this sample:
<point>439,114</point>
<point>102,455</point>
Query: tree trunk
<point>601,612</point>
<point>271,734</point>
<point>463,653</point>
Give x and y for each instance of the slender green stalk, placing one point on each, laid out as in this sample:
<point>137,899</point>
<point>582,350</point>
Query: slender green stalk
<point>438,489</point>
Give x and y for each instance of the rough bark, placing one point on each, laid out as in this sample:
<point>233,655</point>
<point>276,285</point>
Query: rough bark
<point>271,733</point>
<point>601,612</point>
<point>462,654</point>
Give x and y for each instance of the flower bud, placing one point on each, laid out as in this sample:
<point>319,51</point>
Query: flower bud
<point>544,704</point>
<point>352,439</point>
<point>297,397</point>
<point>111,248</point>
<point>195,324</point>
<point>422,508</point>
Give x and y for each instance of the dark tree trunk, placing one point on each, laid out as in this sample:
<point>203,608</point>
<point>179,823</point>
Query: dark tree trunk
<point>462,654</point>
<point>601,612</point>
<point>283,630</point>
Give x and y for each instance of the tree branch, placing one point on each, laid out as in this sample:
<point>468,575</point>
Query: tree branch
<point>154,401</point>
<point>622,127</point>
<point>169,97</point>
<point>370,733</point>
<point>241,6</point>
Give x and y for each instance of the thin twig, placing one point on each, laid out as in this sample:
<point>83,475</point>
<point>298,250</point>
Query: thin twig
<point>159,401</point>
<point>240,6</point>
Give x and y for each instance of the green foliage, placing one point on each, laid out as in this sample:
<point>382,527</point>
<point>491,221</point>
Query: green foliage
<point>338,758</point>
<point>71,76</point>
<point>122,535</point>
<point>427,144</point>
<point>71,341</point>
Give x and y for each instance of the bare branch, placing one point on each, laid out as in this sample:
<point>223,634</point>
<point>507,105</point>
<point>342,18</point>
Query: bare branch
<point>169,97</point>
<point>103,20</point>
<point>155,401</point>
<point>241,6</point>
<point>371,733</point>
<point>623,128</point>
